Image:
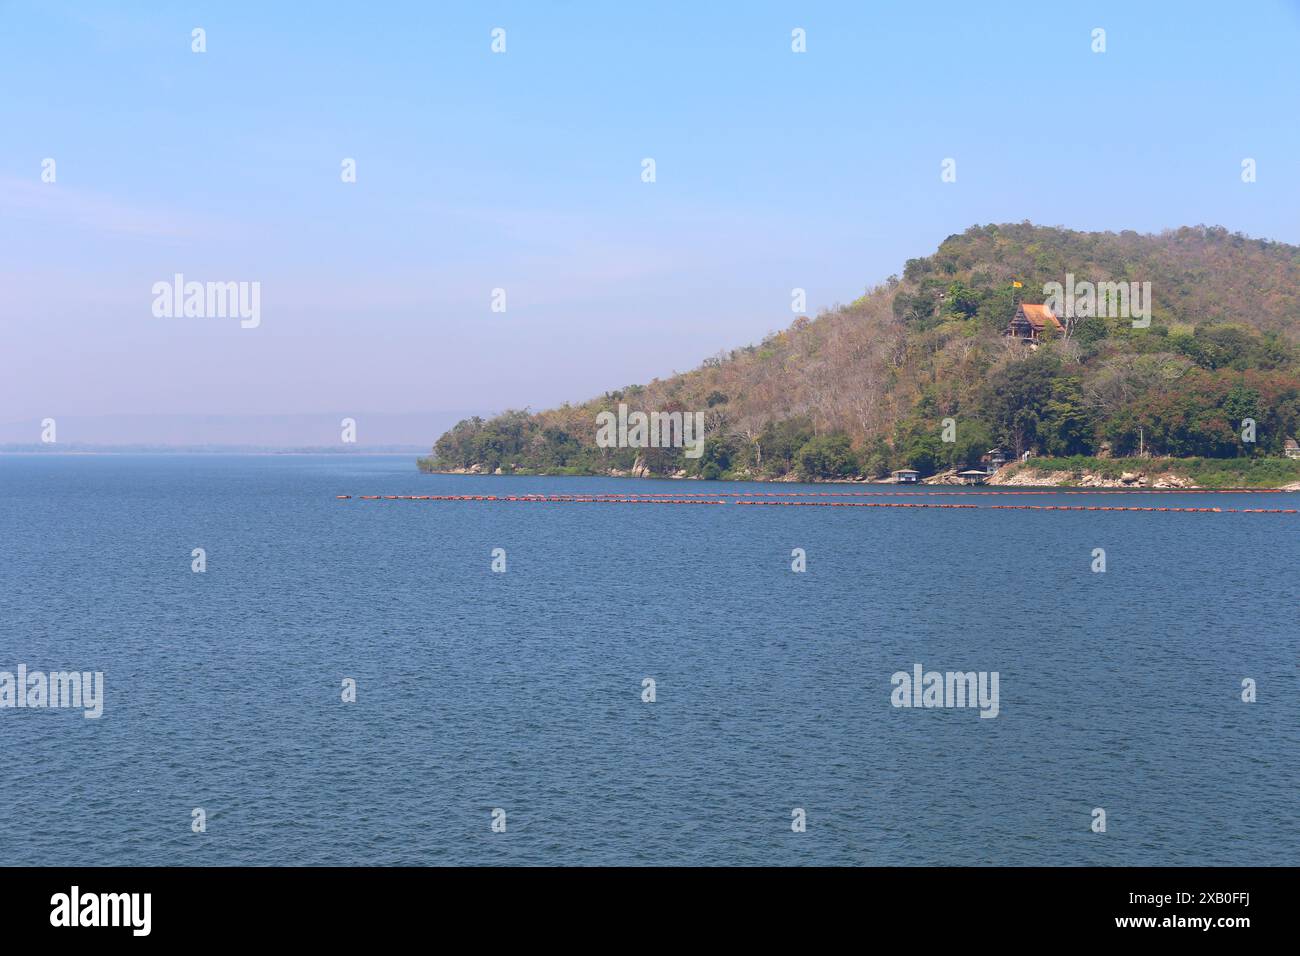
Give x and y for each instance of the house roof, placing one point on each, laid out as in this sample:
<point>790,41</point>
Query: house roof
<point>1040,316</point>
<point>1292,443</point>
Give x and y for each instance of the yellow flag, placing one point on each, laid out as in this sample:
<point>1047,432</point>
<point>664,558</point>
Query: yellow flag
<point>1017,285</point>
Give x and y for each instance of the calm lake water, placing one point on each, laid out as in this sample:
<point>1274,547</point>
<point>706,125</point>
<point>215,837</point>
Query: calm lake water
<point>522,691</point>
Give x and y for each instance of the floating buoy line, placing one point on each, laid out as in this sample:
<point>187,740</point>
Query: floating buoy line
<point>747,498</point>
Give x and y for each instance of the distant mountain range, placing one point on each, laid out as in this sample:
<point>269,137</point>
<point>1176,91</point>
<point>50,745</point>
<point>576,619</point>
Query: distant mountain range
<point>920,371</point>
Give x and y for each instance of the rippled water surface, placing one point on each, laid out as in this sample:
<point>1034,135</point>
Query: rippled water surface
<point>522,690</point>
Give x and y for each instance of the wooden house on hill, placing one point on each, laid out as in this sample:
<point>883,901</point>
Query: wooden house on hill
<point>1031,322</point>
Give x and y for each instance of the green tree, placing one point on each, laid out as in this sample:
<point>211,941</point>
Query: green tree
<point>827,456</point>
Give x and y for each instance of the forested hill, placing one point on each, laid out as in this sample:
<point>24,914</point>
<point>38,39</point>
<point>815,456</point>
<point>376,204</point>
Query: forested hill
<point>865,388</point>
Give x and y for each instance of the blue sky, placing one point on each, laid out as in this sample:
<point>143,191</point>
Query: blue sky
<point>522,171</point>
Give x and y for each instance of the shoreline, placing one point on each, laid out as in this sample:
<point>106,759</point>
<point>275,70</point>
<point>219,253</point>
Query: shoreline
<point>1009,476</point>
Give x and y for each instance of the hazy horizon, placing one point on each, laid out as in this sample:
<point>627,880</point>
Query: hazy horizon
<point>371,430</point>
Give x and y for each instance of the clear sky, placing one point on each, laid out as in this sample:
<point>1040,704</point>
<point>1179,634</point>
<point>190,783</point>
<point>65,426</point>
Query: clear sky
<point>522,171</point>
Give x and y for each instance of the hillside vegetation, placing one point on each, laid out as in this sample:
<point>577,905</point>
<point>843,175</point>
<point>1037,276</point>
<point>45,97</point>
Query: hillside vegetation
<point>865,388</point>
